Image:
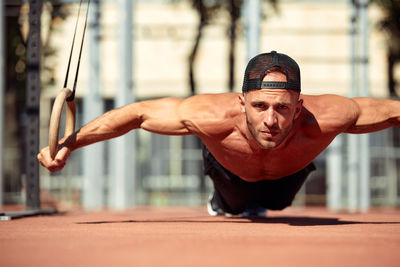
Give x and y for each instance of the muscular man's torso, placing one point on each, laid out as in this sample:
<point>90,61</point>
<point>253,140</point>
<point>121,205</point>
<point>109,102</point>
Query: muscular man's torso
<point>238,153</point>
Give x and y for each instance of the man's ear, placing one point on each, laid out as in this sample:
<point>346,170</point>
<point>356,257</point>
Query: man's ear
<point>299,106</point>
<point>242,102</point>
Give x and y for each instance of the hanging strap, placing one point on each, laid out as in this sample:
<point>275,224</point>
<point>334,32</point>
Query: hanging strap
<point>72,96</point>
<point>66,96</point>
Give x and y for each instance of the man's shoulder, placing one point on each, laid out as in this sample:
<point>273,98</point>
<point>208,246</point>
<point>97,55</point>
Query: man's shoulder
<point>212,98</point>
<point>331,113</point>
<point>323,98</point>
<point>211,114</point>
<point>216,104</point>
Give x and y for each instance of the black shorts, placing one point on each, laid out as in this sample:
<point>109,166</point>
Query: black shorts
<point>234,195</point>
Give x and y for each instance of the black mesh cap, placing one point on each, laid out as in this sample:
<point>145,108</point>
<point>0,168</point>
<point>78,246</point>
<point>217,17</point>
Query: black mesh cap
<point>258,65</point>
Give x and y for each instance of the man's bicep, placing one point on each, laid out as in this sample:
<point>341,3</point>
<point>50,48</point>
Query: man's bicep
<point>209,115</point>
<point>163,116</point>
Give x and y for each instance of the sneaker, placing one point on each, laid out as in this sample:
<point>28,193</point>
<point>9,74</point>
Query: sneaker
<point>255,211</point>
<point>213,209</point>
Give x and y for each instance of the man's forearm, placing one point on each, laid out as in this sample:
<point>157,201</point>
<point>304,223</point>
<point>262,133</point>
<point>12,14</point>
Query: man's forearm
<point>376,114</point>
<point>158,116</point>
<point>112,124</point>
<point>147,115</point>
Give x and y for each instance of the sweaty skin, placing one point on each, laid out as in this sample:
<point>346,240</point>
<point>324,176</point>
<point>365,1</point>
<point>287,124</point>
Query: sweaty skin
<point>259,135</point>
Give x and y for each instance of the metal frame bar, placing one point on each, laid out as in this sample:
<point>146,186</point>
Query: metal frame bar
<point>253,18</point>
<point>365,160</point>
<point>32,106</point>
<point>2,77</point>
<point>353,166</point>
<point>31,163</point>
<point>122,182</point>
<point>93,181</point>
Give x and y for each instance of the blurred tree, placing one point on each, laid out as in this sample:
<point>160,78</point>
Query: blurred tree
<point>390,24</point>
<point>234,7</point>
<point>208,10</point>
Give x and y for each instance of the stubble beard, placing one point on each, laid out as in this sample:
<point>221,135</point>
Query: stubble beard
<point>268,143</point>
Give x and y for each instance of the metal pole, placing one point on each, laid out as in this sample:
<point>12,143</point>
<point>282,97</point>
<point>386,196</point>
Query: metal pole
<point>365,161</point>
<point>390,167</point>
<point>253,17</point>
<point>353,172</point>
<point>123,182</point>
<point>32,106</point>
<point>2,69</point>
<point>334,173</point>
<point>93,156</point>
<point>353,140</point>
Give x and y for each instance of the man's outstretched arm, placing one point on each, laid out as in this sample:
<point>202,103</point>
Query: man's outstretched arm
<point>160,116</point>
<point>375,114</point>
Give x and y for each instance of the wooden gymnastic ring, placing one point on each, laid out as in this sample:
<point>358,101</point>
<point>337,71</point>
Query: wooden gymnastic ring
<point>55,119</point>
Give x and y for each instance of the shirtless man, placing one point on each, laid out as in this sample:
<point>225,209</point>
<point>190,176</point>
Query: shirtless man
<point>258,145</point>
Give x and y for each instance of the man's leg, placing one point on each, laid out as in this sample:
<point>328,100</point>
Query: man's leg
<point>234,195</point>
<point>227,195</point>
<point>279,194</point>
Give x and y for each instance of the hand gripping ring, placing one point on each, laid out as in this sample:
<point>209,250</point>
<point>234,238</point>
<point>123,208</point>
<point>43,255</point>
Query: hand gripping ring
<point>55,119</point>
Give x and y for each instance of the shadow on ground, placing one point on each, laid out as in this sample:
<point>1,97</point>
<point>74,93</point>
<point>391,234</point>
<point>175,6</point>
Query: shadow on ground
<point>290,220</point>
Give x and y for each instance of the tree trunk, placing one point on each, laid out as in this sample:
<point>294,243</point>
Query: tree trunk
<point>234,15</point>
<point>393,59</point>
<point>200,7</point>
<point>231,82</point>
<point>192,57</point>
<point>390,70</point>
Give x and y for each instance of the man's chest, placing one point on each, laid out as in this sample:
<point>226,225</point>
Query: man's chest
<point>266,164</point>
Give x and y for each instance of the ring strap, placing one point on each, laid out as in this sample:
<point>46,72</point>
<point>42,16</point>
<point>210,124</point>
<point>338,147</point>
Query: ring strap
<point>72,96</point>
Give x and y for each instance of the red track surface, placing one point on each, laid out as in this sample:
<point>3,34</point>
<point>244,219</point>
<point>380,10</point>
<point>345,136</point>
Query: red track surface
<point>187,236</point>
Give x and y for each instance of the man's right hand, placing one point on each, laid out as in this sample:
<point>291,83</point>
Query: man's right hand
<point>58,162</point>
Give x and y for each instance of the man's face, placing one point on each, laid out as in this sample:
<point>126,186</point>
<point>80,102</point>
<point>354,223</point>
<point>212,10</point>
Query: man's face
<point>270,113</point>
